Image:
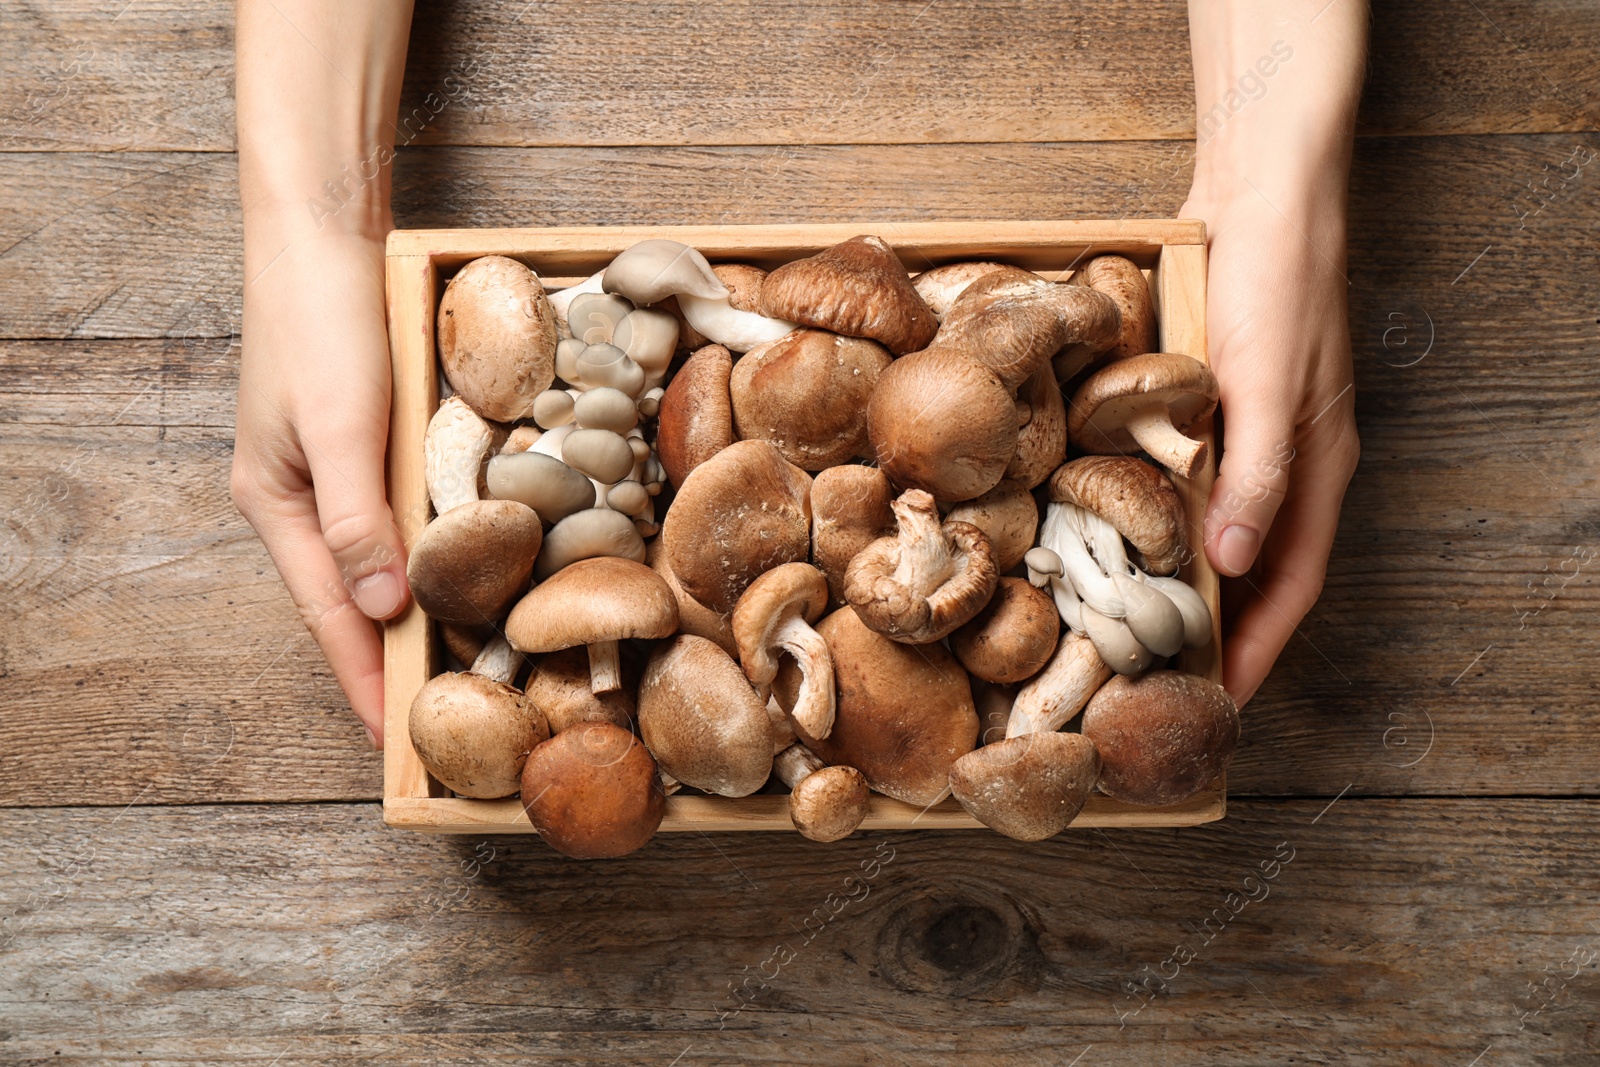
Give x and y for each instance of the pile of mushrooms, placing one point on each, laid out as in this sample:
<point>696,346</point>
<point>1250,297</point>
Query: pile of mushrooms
<point>709,528</point>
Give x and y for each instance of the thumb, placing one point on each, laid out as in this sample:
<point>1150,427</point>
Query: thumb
<point>1251,482</point>
<point>357,525</point>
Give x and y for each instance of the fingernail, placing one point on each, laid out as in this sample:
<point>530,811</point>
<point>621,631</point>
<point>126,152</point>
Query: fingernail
<point>1237,549</point>
<point>372,738</point>
<point>377,594</point>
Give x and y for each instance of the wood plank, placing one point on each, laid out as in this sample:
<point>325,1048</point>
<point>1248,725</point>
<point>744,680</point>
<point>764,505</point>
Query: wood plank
<point>99,75</point>
<point>1380,932</point>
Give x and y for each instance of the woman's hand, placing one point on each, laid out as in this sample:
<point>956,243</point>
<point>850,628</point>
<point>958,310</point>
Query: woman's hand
<point>313,423</point>
<point>1279,343</point>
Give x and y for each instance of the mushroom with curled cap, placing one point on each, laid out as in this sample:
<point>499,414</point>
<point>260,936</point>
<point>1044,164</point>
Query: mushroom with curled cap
<point>1029,787</point>
<point>1012,637</point>
<point>825,803</point>
<point>1121,280</point>
<point>1145,402</point>
<point>695,417</point>
<point>904,714</point>
<point>596,603</point>
<point>1135,498</point>
<point>561,301</point>
<point>473,730</point>
<point>734,321</point>
<point>774,617</point>
<point>1042,429</point>
<point>1161,737</point>
<point>650,271</point>
<point>593,792</point>
<point>807,394</point>
<point>739,514</point>
<point>469,564</point>
<point>946,419</point>
<point>924,581</point>
<point>453,451</point>
<point>497,337</point>
<point>858,288</point>
<point>700,717</point>
<point>850,509</point>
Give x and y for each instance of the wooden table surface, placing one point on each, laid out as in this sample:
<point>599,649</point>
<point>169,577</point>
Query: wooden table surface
<point>192,862</point>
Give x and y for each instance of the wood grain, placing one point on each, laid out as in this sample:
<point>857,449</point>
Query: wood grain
<point>99,75</point>
<point>1388,932</point>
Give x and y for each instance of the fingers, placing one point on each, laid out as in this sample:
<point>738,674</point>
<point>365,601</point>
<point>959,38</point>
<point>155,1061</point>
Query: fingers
<point>356,524</point>
<point>1292,568</point>
<point>1251,482</point>
<point>287,525</point>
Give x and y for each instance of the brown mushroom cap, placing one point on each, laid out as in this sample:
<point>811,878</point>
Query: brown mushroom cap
<point>497,337</point>
<point>1145,402</point>
<point>591,602</point>
<point>1161,736</point>
<point>702,720</point>
<point>1134,497</point>
<point>1008,516</point>
<point>695,418</point>
<point>1042,440</point>
<point>905,713</point>
<point>559,685</point>
<point>473,733</point>
<point>1013,637</point>
<point>939,421</point>
<point>464,642</point>
<point>858,288</point>
<point>470,563</point>
<point>807,394</point>
<point>850,509</point>
<point>940,286</point>
<point>994,709</point>
<point>743,283</point>
<point>693,616</point>
<point>739,514</point>
<point>1124,283</point>
<point>1014,323</point>
<point>592,792</point>
<point>924,581</point>
<point>1028,787</point>
<point>829,804</point>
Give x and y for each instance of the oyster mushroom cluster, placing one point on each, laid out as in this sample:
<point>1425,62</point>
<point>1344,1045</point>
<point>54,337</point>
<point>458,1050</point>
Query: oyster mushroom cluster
<point>831,529</point>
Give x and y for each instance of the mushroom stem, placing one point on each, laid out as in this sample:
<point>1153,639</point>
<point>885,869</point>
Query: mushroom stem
<point>925,562</point>
<point>498,661</point>
<point>1060,691</point>
<point>605,669</point>
<point>825,803</point>
<point>794,763</point>
<point>1152,428</point>
<point>1063,532</point>
<point>814,703</point>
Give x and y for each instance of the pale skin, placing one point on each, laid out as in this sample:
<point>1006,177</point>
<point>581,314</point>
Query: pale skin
<point>317,94</point>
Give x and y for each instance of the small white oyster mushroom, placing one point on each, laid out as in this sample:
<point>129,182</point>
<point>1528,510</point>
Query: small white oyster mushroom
<point>562,299</point>
<point>651,271</point>
<point>453,451</point>
<point>553,408</point>
<point>649,337</point>
<point>593,317</point>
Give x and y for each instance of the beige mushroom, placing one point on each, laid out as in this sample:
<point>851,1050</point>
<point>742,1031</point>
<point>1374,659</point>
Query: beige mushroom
<point>594,602</point>
<point>696,413</point>
<point>561,300</point>
<point>473,730</point>
<point>593,792</point>
<point>807,394</point>
<point>1161,737</point>
<point>774,617</point>
<point>520,439</point>
<point>739,514</point>
<point>904,713</point>
<point>1008,516</point>
<point>850,509</point>
<point>702,719</point>
<point>1012,637</point>
<point>469,564</point>
<point>588,534</point>
<point>453,452</point>
<point>1145,402</point>
<point>649,337</point>
<point>926,580</point>
<point>497,337</point>
<point>542,482</point>
<point>825,803</point>
<point>858,288</point>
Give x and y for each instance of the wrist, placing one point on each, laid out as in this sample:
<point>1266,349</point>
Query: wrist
<point>1302,177</point>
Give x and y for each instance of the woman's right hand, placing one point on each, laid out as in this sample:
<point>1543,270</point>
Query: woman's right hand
<point>313,424</point>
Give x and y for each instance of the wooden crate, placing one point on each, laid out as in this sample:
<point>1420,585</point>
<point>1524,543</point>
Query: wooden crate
<point>421,261</point>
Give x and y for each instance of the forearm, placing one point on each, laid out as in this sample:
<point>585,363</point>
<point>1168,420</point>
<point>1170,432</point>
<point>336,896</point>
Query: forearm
<point>318,85</point>
<point>1275,102</point>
